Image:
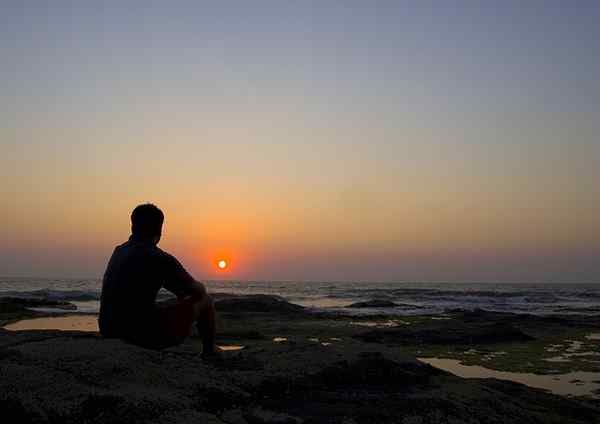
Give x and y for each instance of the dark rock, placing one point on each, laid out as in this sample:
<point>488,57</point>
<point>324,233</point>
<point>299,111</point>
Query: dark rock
<point>262,416</point>
<point>233,416</point>
<point>16,304</point>
<point>375,389</point>
<point>448,333</point>
<point>257,303</point>
<point>374,370</point>
<point>60,377</point>
<point>375,303</point>
<point>241,334</point>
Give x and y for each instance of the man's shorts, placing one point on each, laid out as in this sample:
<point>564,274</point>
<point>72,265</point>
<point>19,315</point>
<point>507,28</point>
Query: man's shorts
<point>170,326</point>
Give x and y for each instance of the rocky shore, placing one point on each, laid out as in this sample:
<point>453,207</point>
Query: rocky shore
<point>295,367</point>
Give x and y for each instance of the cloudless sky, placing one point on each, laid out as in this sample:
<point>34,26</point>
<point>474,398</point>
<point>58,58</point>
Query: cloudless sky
<point>325,140</point>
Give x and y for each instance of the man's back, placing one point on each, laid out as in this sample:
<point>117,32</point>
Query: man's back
<point>135,273</point>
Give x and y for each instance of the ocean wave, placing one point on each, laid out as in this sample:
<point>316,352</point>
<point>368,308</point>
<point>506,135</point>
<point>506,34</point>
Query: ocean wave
<point>67,295</point>
<point>532,298</point>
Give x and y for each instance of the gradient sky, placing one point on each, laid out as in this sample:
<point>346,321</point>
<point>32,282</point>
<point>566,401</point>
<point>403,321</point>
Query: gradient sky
<point>340,140</point>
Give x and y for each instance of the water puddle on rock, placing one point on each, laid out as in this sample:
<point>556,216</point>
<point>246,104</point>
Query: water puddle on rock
<point>66,323</point>
<point>577,383</point>
<point>380,324</point>
<point>324,342</point>
<point>593,336</point>
<point>572,349</point>
<point>232,347</point>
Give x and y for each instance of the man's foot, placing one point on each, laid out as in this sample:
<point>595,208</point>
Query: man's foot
<point>214,353</point>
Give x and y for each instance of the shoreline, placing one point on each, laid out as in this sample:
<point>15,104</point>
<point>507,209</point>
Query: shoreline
<point>296,366</point>
<point>565,356</point>
<point>587,383</point>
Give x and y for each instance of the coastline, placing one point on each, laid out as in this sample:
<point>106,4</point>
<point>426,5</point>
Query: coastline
<point>285,344</point>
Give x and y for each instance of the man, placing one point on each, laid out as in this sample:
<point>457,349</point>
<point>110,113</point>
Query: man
<point>137,270</point>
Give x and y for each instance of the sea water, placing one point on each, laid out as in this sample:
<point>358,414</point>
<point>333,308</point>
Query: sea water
<point>412,297</point>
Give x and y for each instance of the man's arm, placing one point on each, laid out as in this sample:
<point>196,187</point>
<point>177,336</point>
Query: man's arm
<point>179,282</point>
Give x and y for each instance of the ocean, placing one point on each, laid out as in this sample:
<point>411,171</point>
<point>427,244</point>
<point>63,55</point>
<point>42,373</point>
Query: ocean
<point>412,297</point>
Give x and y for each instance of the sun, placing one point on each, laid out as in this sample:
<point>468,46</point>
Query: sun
<point>222,264</point>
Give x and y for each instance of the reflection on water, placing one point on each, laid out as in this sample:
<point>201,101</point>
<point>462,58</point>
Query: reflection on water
<point>232,347</point>
<point>557,359</point>
<point>573,350</point>
<point>74,323</point>
<point>323,342</point>
<point>280,339</point>
<point>574,383</point>
<point>66,323</point>
<point>593,336</point>
<point>378,324</point>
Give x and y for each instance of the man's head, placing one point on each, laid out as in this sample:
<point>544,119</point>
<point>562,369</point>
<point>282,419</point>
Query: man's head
<point>146,222</point>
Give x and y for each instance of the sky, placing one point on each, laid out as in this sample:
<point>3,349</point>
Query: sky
<point>326,140</point>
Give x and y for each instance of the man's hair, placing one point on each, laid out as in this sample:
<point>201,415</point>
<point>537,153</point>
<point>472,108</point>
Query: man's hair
<point>146,220</point>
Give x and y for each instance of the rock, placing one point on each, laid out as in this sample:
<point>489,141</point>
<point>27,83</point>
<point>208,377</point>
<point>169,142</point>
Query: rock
<point>375,303</point>
<point>233,416</point>
<point>243,334</point>
<point>15,304</point>
<point>73,378</point>
<point>187,416</point>
<point>15,308</point>
<point>257,303</point>
<point>262,416</point>
<point>372,369</point>
<point>446,333</point>
<point>375,389</point>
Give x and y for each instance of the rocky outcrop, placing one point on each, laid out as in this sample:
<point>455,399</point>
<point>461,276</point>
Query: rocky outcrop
<point>59,377</point>
<point>16,304</point>
<point>450,333</point>
<point>375,303</point>
<point>256,303</point>
<point>15,308</point>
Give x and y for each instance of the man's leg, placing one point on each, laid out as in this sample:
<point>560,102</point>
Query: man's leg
<point>205,318</point>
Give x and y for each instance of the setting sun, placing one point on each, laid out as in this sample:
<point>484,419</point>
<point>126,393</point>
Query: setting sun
<point>222,264</point>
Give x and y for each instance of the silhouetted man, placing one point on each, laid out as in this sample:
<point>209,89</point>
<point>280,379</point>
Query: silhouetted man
<point>137,270</point>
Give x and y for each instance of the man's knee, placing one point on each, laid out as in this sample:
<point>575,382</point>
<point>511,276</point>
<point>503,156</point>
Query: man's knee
<point>201,289</point>
<point>199,293</point>
<point>201,307</point>
<point>201,299</point>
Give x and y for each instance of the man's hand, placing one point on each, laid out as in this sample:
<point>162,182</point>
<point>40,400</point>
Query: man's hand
<point>196,293</point>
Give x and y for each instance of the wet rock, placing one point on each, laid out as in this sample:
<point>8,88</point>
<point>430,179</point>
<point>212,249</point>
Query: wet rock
<point>375,389</point>
<point>257,303</point>
<point>15,304</point>
<point>21,410</point>
<point>262,416</point>
<point>241,334</point>
<point>215,396</point>
<point>372,369</point>
<point>187,416</point>
<point>233,416</point>
<point>375,303</point>
<point>60,377</point>
<point>446,333</point>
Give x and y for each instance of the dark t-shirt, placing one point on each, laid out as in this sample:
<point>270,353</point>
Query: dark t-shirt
<point>136,271</point>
